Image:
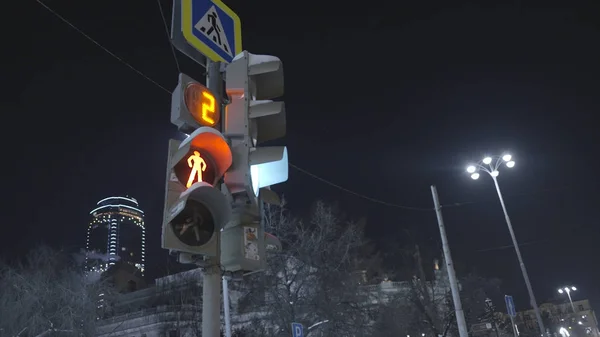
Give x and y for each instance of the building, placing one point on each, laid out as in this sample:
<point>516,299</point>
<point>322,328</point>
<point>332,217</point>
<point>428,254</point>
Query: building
<point>561,320</point>
<point>172,307</point>
<point>116,232</point>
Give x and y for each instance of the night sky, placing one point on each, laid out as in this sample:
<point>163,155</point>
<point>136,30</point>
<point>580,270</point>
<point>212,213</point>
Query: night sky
<point>383,100</point>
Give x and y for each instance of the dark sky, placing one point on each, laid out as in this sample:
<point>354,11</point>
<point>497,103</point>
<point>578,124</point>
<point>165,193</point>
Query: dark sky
<point>384,100</point>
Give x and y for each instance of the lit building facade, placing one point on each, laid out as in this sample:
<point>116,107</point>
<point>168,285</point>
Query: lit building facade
<point>561,320</point>
<point>116,232</point>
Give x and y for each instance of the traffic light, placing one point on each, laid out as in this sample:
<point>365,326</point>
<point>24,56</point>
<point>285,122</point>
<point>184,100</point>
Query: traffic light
<point>252,118</point>
<point>195,208</point>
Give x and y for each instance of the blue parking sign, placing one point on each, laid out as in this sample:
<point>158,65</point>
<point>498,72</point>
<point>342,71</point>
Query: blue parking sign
<point>510,305</point>
<point>297,330</point>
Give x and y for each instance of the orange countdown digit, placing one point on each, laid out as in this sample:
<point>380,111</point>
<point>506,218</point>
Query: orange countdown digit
<point>208,108</point>
<point>201,104</point>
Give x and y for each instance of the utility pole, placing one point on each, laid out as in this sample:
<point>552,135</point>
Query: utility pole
<point>532,300</point>
<point>211,278</point>
<point>460,317</point>
<point>226,312</point>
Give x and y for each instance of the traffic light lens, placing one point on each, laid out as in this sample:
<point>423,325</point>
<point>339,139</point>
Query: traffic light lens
<point>202,104</point>
<point>195,166</point>
<point>195,225</point>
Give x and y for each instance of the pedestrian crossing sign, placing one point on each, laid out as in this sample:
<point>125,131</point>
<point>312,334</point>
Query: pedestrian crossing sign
<point>212,28</point>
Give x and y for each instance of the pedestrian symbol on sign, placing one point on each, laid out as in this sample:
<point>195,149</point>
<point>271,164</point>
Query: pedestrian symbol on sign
<point>210,25</point>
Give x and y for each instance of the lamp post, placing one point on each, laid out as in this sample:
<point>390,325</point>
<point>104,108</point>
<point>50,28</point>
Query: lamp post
<point>490,165</point>
<point>568,291</point>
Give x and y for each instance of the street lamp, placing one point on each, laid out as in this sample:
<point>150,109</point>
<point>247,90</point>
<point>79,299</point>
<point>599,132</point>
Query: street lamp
<point>490,165</point>
<point>568,291</point>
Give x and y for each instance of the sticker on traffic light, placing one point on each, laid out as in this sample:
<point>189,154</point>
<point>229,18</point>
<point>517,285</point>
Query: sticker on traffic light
<point>195,166</point>
<point>202,104</point>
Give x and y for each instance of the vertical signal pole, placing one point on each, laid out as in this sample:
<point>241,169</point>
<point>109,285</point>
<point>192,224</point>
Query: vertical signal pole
<point>460,317</point>
<point>211,284</point>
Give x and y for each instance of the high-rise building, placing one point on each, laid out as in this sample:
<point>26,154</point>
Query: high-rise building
<point>116,232</point>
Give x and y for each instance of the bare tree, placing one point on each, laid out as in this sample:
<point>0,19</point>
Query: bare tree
<point>426,306</point>
<point>312,281</point>
<point>48,294</point>
<point>399,317</point>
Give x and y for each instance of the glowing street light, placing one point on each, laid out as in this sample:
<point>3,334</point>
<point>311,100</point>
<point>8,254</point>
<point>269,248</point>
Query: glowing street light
<point>491,165</point>
<point>568,291</point>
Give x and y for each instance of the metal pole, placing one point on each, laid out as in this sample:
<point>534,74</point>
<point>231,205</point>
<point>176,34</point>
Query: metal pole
<point>211,291</point>
<point>226,307</point>
<point>211,301</point>
<point>512,323</point>
<point>460,317</point>
<point>495,325</point>
<point>570,300</point>
<point>521,263</point>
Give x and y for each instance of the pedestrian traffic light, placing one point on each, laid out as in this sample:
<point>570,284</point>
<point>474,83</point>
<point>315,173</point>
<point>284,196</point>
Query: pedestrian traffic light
<point>251,118</point>
<point>196,211</point>
<point>193,105</point>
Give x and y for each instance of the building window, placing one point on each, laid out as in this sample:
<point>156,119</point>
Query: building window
<point>581,307</point>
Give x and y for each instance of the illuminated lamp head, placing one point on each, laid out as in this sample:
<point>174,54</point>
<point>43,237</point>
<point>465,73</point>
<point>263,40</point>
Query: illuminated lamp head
<point>202,157</point>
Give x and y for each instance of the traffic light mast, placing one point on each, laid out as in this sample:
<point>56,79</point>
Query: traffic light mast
<point>219,176</point>
<point>196,210</point>
<point>211,284</point>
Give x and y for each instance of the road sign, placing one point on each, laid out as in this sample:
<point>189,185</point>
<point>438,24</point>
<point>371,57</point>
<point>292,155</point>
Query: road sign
<point>510,305</point>
<point>212,28</point>
<point>297,330</point>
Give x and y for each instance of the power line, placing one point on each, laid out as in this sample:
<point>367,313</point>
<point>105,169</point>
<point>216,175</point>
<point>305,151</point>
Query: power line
<point>512,195</point>
<point>102,47</point>
<point>358,194</point>
<point>511,246</point>
<point>168,91</point>
<point>162,14</point>
<point>323,180</point>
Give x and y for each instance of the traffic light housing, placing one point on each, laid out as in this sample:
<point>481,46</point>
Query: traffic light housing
<point>195,208</point>
<point>193,224</point>
<point>252,118</point>
<point>217,182</point>
<point>193,105</point>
